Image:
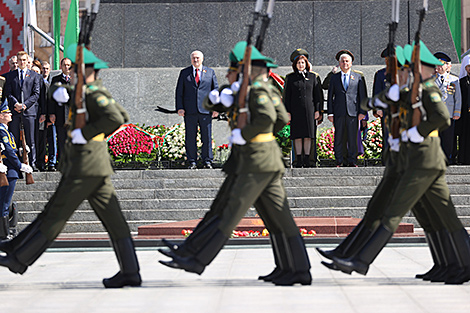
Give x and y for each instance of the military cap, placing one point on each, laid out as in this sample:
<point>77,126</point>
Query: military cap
<point>442,56</point>
<point>384,53</point>
<point>256,57</point>
<point>88,56</point>
<point>101,65</point>
<point>400,56</point>
<point>426,57</point>
<point>344,51</point>
<point>297,53</point>
<point>4,107</point>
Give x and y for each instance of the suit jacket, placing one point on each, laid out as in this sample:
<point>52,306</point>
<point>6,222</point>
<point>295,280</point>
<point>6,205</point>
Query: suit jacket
<point>9,153</point>
<point>451,95</point>
<point>30,88</point>
<point>61,111</point>
<point>342,102</point>
<point>380,81</point>
<point>189,96</point>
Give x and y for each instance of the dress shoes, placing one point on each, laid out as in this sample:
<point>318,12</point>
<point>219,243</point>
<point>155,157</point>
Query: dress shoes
<point>188,264</point>
<point>51,168</point>
<point>120,280</point>
<point>208,165</point>
<point>192,166</point>
<point>330,266</point>
<point>35,169</point>
<point>329,254</point>
<point>275,273</point>
<point>347,266</point>
<point>290,279</point>
<point>13,264</point>
<point>352,165</point>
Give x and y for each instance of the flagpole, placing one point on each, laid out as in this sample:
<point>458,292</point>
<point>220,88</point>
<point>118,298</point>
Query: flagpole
<point>56,23</point>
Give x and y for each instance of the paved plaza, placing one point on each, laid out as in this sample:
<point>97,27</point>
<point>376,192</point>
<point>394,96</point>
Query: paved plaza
<point>69,280</point>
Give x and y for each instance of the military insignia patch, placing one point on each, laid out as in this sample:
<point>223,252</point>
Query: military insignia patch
<point>102,101</point>
<point>276,101</point>
<point>5,139</point>
<point>256,84</point>
<point>263,99</point>
<point>92,88</point>
<point>429,83</point>
<point>435,97</point>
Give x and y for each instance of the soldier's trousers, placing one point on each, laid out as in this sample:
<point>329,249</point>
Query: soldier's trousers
<point>71,192</point>
<point>432,187</point>
<point>266,191</point>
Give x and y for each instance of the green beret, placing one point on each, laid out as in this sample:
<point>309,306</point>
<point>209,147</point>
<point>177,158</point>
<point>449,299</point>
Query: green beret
<point>297,53</point>
<point>88,56</point>
<point>426,57</point>
<point>344,51</point>
<point>239,52</point>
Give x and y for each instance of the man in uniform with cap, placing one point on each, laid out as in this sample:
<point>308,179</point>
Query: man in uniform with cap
<point>346,90</point>
<point>450,88</point>
<point>258,181</point>
<point>86,171</point>
<point>424,178</point>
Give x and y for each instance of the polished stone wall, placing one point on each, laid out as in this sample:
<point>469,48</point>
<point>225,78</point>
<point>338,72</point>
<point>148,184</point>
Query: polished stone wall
<point>162,33</point>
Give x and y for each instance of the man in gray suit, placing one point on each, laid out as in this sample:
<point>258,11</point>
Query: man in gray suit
<point>194,84</point>
<point>449,86</point>
<point>346,90</point>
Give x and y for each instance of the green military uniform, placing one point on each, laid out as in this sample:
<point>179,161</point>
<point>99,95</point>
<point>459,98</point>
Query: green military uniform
<point>258,180</point>
<point>86,171</point>
<point>423,178</point>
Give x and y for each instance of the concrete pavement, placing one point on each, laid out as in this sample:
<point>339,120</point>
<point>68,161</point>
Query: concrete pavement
<point>69,280</point>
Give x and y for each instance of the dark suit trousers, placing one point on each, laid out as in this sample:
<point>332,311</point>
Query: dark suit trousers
<point>29,123</point>
<point>204,121</point>
<point>346,128</point>
<point>41,139</point>
<point>447,140</point>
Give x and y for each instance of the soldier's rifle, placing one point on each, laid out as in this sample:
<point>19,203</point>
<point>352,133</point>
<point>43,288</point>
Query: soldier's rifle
<point>246,67</point>
<point>24,146</point>
<point>392,65</point>
<point>88,19</point>
<point>416,104</point>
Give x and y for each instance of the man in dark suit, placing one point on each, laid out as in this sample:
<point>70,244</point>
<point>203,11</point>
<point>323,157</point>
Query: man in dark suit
<point>346,90</point>
<point>194,84</point>
<point>22,89</point>
<point>58,115</point>
<point>380,83</point>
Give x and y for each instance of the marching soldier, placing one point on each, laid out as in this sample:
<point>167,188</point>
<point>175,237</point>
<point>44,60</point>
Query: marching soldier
<point>258,181</point>
<point>450,88</point>
<point>86,172</point>
<point>424,177</point>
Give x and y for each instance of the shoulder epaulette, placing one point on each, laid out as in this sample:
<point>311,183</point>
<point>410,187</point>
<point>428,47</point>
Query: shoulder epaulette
<point>92,88</point>
<point>315,73</point>
<point>2,78</point>
<point>455,76</point>
<point>359,72</point>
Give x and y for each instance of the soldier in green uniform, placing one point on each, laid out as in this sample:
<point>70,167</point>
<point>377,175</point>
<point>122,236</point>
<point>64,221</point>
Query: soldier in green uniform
<point>86,172</point>
<point>259,170</point>
<point>424,177</point>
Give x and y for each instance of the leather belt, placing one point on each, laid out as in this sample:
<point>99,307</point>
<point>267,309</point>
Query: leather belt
<point>263,138</point>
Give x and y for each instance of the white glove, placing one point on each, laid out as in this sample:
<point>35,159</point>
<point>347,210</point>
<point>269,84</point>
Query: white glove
<point>394,93</point>
<point>28,150</point>
<point>394,143</point>
<point>214,96</point>
<point>77,137</point>
<point>414,136</point>
<point>226,97</point>
<point>61,95</point>
<point>26,168</point>
<point>3,168</point>
<point>235,87</point>
<point>380,104</point>
<point>237,137</point>
<point>404,136</point>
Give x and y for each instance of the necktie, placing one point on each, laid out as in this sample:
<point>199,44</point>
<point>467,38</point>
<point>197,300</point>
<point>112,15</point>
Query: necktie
<point>67,79</point>
<point>197,76</point>
<point>345,82</point>
<point>21,77</point>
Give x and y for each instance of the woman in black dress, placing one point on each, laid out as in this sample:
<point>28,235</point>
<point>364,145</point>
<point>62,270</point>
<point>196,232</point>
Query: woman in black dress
<point>303,98</point>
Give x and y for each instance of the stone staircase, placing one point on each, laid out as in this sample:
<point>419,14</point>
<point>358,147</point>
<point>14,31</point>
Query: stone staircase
<point>159,196</point>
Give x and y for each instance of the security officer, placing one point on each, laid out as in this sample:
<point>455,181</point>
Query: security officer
<point>449,86</point>
<point>424,177</point>
<point>86,172</point>
<point>11,166</point>
<point>259,173</point>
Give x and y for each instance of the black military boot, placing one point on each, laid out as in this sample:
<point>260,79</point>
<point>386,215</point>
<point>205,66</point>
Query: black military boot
<point>361,261</point>
<point>299,264</point>
<point>128,263</point>
<point>280,258</point>
<point>461,244</point>
<point>193,243</point>
<point>345,245</point>
<point>436,253</point>
<point>451,261</point>
<point>26,254</point>
<point>4,229</point>
<point>13,215</point>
